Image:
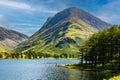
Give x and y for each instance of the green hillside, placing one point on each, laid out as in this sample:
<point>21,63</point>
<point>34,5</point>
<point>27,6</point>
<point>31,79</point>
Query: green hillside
<point>67,41</point>
<point>4,48</point>
<point>9,39</point>
<point>63,33</point>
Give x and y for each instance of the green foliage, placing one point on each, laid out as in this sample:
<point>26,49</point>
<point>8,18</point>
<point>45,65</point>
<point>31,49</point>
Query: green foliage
<point>38,55</point>
<point>0,55</point>
<point>4,48</point>
<point>103,48</point>
<point>115,78</point>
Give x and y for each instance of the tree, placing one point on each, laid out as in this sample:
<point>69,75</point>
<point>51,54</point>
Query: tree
<point>103,48</point>
<point>0,55</point>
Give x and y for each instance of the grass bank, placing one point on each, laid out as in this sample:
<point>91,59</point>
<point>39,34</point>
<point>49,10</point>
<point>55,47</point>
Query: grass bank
<point>87,67</point>
<point>115,74</point>
<point>114,78</point>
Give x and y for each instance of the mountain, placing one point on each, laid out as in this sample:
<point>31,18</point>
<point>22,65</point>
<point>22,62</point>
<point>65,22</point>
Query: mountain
<point>10,39</point>
<point>63,32</point>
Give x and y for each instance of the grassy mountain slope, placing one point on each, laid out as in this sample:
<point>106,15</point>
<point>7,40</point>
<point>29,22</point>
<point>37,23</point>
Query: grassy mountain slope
<point>63,33</point>
<point>9,39</point>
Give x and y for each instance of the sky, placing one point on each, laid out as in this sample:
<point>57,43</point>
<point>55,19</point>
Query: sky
<point>28,16</point>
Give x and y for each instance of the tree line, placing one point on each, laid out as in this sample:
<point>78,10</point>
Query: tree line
<point>35,55</point>
<point>102,48</point>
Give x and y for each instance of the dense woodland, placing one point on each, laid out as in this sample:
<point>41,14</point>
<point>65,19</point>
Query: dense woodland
<point>102,49</point>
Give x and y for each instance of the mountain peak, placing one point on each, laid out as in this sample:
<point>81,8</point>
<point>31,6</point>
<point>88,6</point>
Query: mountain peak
<point>73,15</point>
<point>86,17</point>
<point>65,14</point>
<point>63,32</point>
<point>72,9</point>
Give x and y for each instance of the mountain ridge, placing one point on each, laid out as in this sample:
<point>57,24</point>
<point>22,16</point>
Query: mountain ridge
<point>64,32</point>
<point>10,38</point>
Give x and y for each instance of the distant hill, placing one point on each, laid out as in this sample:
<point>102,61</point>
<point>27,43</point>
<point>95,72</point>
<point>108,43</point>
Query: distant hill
<point>9,39</point>
<point>63,32</point>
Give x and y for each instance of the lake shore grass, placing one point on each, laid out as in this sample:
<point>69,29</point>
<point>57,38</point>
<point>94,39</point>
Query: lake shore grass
<point>114,78</point>
<point>52,58</point>
<point>82,67</point>
<point>85,67</point>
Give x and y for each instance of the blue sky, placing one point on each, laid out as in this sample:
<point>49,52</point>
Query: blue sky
<point>28,16</point>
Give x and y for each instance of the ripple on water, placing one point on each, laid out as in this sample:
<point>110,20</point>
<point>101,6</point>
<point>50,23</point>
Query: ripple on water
<point>43,70</point>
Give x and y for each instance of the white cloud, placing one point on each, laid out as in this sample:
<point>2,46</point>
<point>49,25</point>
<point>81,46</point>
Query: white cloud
<point>15,4</point>
<point>43,9</point>
<point>108,17</point>
<point>29,31</point>
<point>25,24</point>
<point>26,7</point>
<point>3,18</point>
<point>110,12</point>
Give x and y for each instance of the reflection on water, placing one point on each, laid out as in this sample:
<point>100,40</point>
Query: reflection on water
<point>43,70</point>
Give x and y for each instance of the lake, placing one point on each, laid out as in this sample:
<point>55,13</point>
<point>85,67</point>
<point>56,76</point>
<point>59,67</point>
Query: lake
<point>44,69</point>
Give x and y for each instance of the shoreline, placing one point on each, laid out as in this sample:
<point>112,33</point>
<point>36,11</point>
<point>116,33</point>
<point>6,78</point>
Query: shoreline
<point>88,68</point>
<point>42,59</point>
<point>114,74</point>
<point>82,68</point>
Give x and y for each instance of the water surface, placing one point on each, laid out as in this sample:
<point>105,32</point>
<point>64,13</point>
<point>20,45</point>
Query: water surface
<point>43,70</point>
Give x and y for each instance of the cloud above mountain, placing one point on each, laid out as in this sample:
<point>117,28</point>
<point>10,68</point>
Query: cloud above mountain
<point>35,12</point>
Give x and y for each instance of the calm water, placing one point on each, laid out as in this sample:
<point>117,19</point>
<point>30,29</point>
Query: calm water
<point>43,70</point>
